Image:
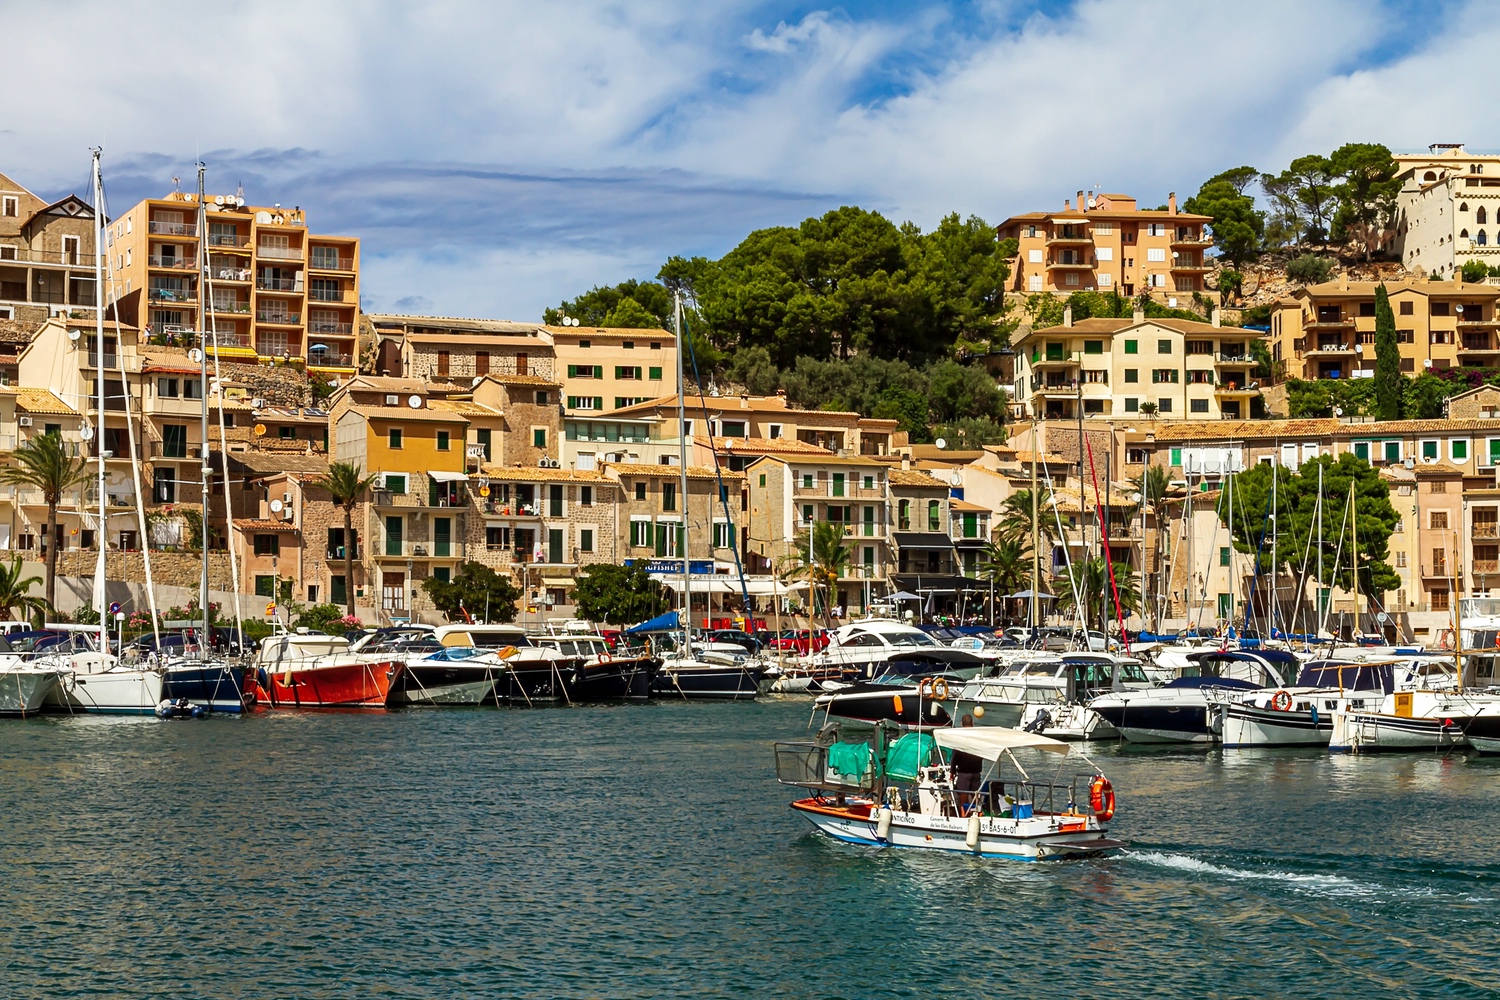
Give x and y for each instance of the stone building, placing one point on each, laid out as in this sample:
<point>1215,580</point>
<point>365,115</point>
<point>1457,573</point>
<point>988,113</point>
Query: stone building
<point>46,256</point>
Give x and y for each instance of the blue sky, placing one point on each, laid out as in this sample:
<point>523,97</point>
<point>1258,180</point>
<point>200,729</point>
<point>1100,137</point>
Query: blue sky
<point>498,157</point>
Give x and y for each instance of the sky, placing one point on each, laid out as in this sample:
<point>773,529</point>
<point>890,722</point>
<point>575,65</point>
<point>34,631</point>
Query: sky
<point>498,157</point>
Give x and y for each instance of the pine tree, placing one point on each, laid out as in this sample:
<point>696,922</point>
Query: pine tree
<point>1388,378</point>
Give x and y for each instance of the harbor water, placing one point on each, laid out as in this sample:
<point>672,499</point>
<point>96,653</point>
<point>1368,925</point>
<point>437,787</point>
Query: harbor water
<point>646,851</point>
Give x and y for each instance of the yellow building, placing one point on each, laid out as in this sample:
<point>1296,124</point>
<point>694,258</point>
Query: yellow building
<point>1105,243</point>
<point>1328,330</point>
<point>609,369</point>
<point>275,291</point>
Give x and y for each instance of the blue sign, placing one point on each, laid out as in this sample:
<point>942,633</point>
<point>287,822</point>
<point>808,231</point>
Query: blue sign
<point>670,567</point>
<point>114,607</point>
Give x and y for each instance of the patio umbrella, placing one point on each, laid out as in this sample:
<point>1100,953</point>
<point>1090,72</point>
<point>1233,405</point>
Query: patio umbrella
<point>902,595</point>
<point>320,348</point>
<point>1028,594</point>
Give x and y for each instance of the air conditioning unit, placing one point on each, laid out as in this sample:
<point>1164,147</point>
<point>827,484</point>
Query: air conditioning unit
<point>23,421</point>
<point>286,515</point>
<point>419,550</point>
<point>286,498</point>
<point>392,400</point>
<point>257,403</point>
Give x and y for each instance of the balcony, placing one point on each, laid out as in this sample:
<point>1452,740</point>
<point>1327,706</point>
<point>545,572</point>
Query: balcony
<point>279,285</point>
<point>500,508</point>
<point>1232,360</point>
<point>1190,265</point>
<point>1439,570</point>
<point>475,453</point>
<point>323,262</point>
<point>162,449</point>
<point>112,362</point>
<point>229,340</point>
<point>1327,322</point>
<point>1075,239</point>
<point>1484,567</point>
<point>278,253</point>
<point>174,262</point>
<point>328,295</point>
<point>64,258</point>
<point>182,296</point>
<point>1191,241</point>
<point>189,229</point>
<point>825,491</point>
<point>329,329</point>
<point>231,308</point>
<point>234,275</point>
<point>278,318</point>
<point>1079,263</point>
<point>1055,360</point>
<point>1234,389</point>
<point>326,359</point>
<point>230,242</point>
<point>1330,350</point>
<point>1486,529</point>
<point>398,548</point>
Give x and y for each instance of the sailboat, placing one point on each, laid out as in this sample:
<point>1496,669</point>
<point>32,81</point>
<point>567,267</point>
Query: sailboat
<point>197,678</point>
<point>683,673</point>
<point>92,678</point>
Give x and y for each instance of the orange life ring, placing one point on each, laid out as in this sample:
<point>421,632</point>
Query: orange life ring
<point>1281,701</point>
<point>924,687</point>
<point>604,657</point>
<point>940,689</point>
<point>1102,798</point>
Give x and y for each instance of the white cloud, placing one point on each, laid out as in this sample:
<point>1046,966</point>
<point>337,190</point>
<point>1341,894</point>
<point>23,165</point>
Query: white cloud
<point>496,157</point>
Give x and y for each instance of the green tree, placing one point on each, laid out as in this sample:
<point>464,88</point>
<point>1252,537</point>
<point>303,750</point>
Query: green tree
<point>1231,284</point>
<point>1423,397</point>
<point>1388,378</point>
<point>15,593</point>
<point>1237,226</point>
<point>1304,196</point>
<point>1366,192</point>
<point>43,464</point>
<point>957,391</point>
<point>346,486</point>
<point>1087,581</point>
<point>1310,269</point>
<point>753,368</point>
<point>638,304</point>
<point>485,595</point>
<point>1014,522</point>
<point>821,569</point>
<point>326,618</point>
<point>1474,272</point>
<point>619,595</point>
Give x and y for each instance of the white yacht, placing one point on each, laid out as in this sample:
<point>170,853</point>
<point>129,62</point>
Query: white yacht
<point>1048,693</point>
<point>1185,710</point>
<point>876,646</point>
<point>1301,714</point>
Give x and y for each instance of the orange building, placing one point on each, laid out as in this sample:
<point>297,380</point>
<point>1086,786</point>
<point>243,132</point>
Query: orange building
<point>1105,243</point>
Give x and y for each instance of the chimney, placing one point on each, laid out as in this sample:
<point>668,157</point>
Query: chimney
<point>1080,201</point>
<point>1138,315</point>
<point>1172,202</point>
<point>1067,205</point>
<point>1214,318</point>
<point>1067,315</point>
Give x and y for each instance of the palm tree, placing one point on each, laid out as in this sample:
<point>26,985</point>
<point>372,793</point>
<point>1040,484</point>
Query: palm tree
<point>1015,518</point>
<point>1006,564</point>
<point>1152,485</point>
<point>1089,579</point>
<point>344,482</point>
<point>830,561</point>
<point>44,464</point>
<point>15,591</point>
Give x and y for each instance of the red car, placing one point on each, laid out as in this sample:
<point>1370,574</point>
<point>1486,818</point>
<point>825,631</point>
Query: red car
<point>800,640</point>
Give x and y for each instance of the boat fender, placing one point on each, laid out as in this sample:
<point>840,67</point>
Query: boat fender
<point>971,837</point>
<point>1315,715</point>
<point>896,704</point>
<point>198,712</point>
<point>164,710</point>
<point>1102,798</point>
<point>883,823</point>
<point>978,711</point>
<point>1281,701</point>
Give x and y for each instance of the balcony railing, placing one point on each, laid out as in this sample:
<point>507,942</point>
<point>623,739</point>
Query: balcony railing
<point>172,228</point>
<point>1486,566</point>
<point>26,255</point>
<point>406,549</point>
<point>227,339</point>
<point>173,295</point>
<point>1234,359</point>
<point>326,294</point>
<point>278,318</point>
<point>330,329</point>
<point>236,274</point>
<point>279,253</point>
<point>325,263</point>
<point>236,241</point>
<point>181,263</point>
<point>279,284</point>
<point>324,359</point>
<point>1486,529</point>
<point>225,308</point>
<point>1080,261</point>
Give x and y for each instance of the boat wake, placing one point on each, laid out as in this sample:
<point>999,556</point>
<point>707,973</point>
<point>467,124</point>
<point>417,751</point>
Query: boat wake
<point>1318,883</point>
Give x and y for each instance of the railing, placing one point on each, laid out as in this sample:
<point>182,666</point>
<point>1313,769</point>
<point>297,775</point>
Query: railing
<point>227,339</point>
<point>183,263</point>
<point>279,284</point>
<point>323,359</point>
<point>68,258</point>
<point>324,263</point>
<point>172,228</point>
<point>1486,529</point>
<point>280,318</point>
<point>279,253</point>
<point>1076,262</point>
<point>475,452</point>
<point>337,552</point>
<point>503,509</point>
<point>112,363</point>
<point>224,240</point>
<point>1235,358</point>
<point>235,274</point>
<point>173,295</point>
<point>1485,566</point>
<point>405,548</point>
<point>329,328</point>
<point>1188,264</point>
<point>232,307</point>
<point>326,294</point>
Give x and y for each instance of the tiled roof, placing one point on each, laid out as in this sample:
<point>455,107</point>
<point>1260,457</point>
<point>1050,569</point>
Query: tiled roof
<point>405,413</point>
<point>825,459</point>
<point>966,505</point>
<point>269,463</point>
<point>933,453</point>
<point>729,405</point>
<point>263,524</point>
<point>906,477</point>
<point>611,332</point>
<point>463,407</point>
<point>670,471</point>
<point>768,446</point>
<point>537,380</point>
<point>536,474</point>
<point>1240,430</point>
<point>41,401</point>
<point>1410,284</point>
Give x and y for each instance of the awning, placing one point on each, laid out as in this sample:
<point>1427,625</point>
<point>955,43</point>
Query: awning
<point>447,477</point>
<point>922,540</point>
<point>989,742</point>
<point>557,581</point>
<point>938,583</point>
<point>970,543</point>
<point>1026,595</point>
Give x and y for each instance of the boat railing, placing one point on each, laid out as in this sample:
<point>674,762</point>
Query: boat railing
<point>805,765</point>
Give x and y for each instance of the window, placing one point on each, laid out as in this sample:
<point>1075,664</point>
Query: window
<point>1458,450</point>
<point>773,432</point>
<point>1198,405</point>
<point>1362,450</point>
<point>1033,256</point>
<point>934,519</point>
<point>1367,309</point>
<point>174,441</point>
<point>585,539</point>
<point>166,388</point>
<point>733,428</point>
<point>267,545</point>
<point>1132,404</point>
<point>1104,253</point>
<point>586,496</point>
<point>543,397</point>
<point>640,491</point>
<point>1223,555</point>
<point>1072,278</point>
<point>394,438</point>
<point>443,361</point>
<point>1093,347</point>
<point>1438,519</point>
<point>585,371</point>
<point>627,372</point>
<point>807,480</point>
<point>265,586</point>
<point>395,482</point>
<point>1163,347</point>
<point>1430,451</point>
<point>655,373</point>
<point>1156,229</point>
<point>1160,376</point>
<point>1132,347</point>
<point>539,437</point>
<point>1176,457</point>
<point>1393,451</point>
<point>1156,254</point>
<point>192,388</point>
<point>762,480</point>
<point>668,496</point>
<point>1439,309</point>
<point>641,535</point>
<point>1406,309</point>
<point>807,513</point>
<point>335,548</point>
<point>1164,405</point>
<point>723,535</point>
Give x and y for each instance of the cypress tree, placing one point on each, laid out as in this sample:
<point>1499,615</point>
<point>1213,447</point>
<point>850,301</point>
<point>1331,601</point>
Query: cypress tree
<point>1388,378</point>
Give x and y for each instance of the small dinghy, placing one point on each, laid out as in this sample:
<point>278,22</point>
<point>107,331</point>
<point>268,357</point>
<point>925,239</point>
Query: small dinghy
<point>179,709</point>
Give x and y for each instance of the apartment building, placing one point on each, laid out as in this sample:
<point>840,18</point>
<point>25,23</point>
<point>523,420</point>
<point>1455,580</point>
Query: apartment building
<point>1328,330</point>
<point>604,370</point>
<point>1106,243</point>
<point>46,255</point>
<point>462,357</point>
<point>1114,367</point>
<point>788,494</point>
<point>275,292</point>
<point>26,413</point>
<point>1446,210</point>
<point>926,563</point>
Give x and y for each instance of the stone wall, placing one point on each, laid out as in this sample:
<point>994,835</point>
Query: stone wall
<point>278,385</point>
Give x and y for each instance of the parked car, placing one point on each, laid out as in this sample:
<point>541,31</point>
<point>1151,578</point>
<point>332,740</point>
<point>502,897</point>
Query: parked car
<point>800,641</point>
<point>733,635</point>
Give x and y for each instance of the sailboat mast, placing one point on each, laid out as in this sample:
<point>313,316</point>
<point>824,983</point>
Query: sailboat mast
<point>101,233</point>
<point>682,452</point>
<point>203,637</point>
<point>1318,600</point>
<point>1354,556</point>
<point>1036,553</point>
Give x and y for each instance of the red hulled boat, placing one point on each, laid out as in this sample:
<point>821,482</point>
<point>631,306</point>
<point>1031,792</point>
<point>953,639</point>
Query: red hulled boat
<point>306,670</point>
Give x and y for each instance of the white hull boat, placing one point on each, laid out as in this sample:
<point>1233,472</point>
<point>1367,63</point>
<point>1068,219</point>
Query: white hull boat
<point>25,689</point>
<point>115,691</point>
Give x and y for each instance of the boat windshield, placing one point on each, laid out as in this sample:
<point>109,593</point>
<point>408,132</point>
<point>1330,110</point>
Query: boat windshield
<point>909,638</point>
<point>1043,668</point>
<point>1133,671</point>
<point>1345,676</point>
<point>1480,607</point>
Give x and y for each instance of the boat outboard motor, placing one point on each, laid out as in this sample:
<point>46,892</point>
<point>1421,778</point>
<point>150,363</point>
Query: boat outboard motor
<point>1042,720</point>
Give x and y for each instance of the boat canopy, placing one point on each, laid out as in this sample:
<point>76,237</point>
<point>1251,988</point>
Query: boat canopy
<point>991,741</point>
<point>1346,676</point>
<point>661,623</point>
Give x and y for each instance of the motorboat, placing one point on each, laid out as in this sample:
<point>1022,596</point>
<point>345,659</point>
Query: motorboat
<point>1185,710</point>
<point>874,646</point>
<point>960,790</point>
<point>1301,714</point>
<point>894,697</point>
<point>1430,708</point>
<point>531,674</point>
<point>25,687</point>
<point>304,669</point>
<point>92,679</point>
<point>604,674</point>
<point>1049,693</point>
<point>434,674</point>
<point>696,677</point>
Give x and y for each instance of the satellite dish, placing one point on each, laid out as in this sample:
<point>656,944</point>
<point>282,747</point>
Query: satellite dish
<point>263,218</point>
<point>260,430</point>
<point>729,444</point>
<point>477,379</point>
<point>957,479</point>
<point>239,202</point>
<point>276,506</point>
<point>74,334</point>
<point>941,443</point>
<point>1409,463</point>
<point>86,432</point>
<point>195,356</point>
<point>415,402</point>
<point>218,199</point>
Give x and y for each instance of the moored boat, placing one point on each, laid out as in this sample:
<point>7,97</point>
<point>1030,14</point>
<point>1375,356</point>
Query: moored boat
<point>312,670</point>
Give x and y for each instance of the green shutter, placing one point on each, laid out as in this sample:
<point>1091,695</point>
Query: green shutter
<point>572,371</point>
<point>598,371</point>
<point>1460,450</point>
<point>1177,456</point>
<point>656,373</point>
<point>598,402</point>
<point>1132,347</point>
<point>1430,449</point>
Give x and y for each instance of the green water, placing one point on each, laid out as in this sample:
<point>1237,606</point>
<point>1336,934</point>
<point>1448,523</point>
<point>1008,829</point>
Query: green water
<point>646,851</point>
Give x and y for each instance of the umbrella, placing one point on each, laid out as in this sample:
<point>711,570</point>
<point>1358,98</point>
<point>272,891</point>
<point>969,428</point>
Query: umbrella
<point>1028,594</point>
<point>902,595</point>
<point>318,347</point>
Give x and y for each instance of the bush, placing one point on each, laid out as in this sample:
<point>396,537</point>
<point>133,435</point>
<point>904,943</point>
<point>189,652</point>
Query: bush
<point>1309,269</point>
<point>1475,271</point>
